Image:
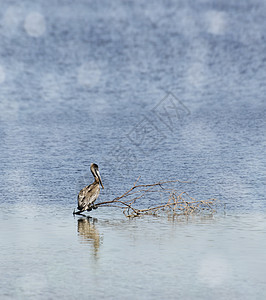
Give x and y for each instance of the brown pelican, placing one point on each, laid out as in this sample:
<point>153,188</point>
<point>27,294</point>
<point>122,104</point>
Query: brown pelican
<point>90,193</point>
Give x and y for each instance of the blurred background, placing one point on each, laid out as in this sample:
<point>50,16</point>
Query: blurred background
<point>78,79</point>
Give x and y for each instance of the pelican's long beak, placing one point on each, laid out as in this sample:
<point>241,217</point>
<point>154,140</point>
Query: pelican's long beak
<point>99,177</point>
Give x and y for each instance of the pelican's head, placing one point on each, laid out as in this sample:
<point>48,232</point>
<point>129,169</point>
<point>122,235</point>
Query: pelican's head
<point>95,172</point>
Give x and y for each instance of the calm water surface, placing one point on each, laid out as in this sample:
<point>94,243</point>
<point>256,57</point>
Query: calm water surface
<point>170,90</point>
<point>48,253</point>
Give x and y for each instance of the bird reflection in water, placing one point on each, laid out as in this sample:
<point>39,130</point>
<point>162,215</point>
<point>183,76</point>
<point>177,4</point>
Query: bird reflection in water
<point>89,233</point>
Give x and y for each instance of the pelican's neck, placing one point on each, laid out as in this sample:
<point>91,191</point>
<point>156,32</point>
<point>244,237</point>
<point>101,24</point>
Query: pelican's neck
<point>96,179</point>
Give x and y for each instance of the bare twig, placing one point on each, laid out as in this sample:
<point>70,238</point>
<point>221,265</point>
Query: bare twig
<point>177,203</point>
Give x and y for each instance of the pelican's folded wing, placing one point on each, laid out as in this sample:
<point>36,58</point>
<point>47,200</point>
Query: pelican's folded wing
<point>83,197</point>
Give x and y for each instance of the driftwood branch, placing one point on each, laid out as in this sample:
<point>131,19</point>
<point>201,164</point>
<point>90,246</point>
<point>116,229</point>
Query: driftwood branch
<point>172,201</point>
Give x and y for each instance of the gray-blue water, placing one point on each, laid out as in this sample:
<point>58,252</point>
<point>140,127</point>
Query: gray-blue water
<point>165,90</point>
